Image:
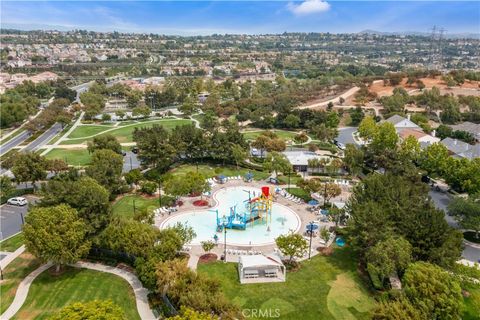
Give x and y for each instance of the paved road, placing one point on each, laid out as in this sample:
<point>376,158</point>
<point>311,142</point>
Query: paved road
<point>345,135</point>
<point>11,220</point>
<point>130,162</point>
<point>44,138</point>
<point>441,201</point>
<point>15,141</point>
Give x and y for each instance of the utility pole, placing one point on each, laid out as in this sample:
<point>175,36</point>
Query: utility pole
<point>440,45</point>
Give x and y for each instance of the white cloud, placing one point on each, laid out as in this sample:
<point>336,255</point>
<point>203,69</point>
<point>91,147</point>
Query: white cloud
<point>309,7</point>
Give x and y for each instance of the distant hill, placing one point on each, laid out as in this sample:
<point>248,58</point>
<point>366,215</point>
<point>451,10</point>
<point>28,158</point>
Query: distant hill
<point>424,34</point>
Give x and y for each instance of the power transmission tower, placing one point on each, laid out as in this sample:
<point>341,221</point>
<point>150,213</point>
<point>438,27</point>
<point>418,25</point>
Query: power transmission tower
<point>432,46</point>
<point>440,45</point>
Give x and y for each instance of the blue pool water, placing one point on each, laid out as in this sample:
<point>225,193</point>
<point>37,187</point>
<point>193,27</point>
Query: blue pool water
<point>203,221</point>
<point>340,242</point>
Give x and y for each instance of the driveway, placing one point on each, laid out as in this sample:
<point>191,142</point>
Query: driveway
<point>11,218</point>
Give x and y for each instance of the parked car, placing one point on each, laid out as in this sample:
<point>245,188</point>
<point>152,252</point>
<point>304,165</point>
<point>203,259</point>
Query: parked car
<point>17,201</point>
<point>135,150</point>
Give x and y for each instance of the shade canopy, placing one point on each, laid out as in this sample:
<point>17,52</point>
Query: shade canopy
<point>312,202</point>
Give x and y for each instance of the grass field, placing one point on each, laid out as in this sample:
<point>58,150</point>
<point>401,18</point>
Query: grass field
<point>12,243</point>
<point>48,293</point>
<point>324,288</point>
<point>75,157</point>
<point>472,303</point>
<point>123,133</point>
<point>285,135</point>
<point>124,206</point>
<point>13,274</point>
<point>212,171</point>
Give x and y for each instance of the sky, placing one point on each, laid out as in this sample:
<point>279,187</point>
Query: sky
<point>242,17</point>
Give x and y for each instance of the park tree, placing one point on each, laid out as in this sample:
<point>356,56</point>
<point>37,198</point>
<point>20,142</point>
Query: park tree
<point>133,98</point>
<point>106,168</point>
<point>388,257</point>
<point>27,167</point>
<point>91,310</point>
<point>329,190</point>
<point>292,121</point>
<point>56,234</point>
<point>386,138</point>
<point>409,149</point>
<point>398,309</point>
<point>367,128</point>
<point>57,165</point>
<point>190,314</point>
<point>310,185</point>
<point>386,204</point>
<point>93,103</point>
<point>65,92</point>
<point>292,245</point>
<point>106,141</point>
<point>154,146</point>
<point>190,183</point>
<point>467,212</point>
<point>130,237</point>
<point>323,133</point>
<point>354,158</point>
<point>433,159</point>
<point>89,198</point>
<point>189,141</point>
<point>6,187</point>
<point>133,176</point>
<point>239,154</point>
<point>356,116</point>
<point>433,290</point>
<point>142,111</point>
<point>276,162</point>
<point>301,138</point>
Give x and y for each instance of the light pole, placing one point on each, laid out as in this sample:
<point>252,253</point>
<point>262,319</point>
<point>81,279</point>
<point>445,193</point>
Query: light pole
<point>289,171</point>
<point>224,220</point>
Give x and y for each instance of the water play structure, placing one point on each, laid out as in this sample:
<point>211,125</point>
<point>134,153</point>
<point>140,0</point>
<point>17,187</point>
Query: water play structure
<point>258,210</point>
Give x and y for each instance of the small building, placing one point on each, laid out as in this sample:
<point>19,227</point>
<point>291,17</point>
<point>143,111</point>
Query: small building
<point>299,159</point>
<point>260,268</point>
<point>469,127</point>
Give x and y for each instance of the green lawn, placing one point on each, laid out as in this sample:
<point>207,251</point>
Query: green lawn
<point>124,206</point>
<point>75,157</point>
<point>12,243</point>
<point>285,135</point>
<point>472,303</point>
<point>212,171</point>
<point>122,133</point>
<point>324,288</point>
<point>48,294</point>
<point>13,274</point>
<point>300,193</point>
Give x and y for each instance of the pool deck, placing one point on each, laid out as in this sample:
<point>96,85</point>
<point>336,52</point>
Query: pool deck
<point>305,216</point>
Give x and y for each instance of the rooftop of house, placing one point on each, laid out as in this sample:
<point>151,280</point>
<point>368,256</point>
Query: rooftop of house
<point>471,127</point>
<point>300,158</point>
<point>462,149</point>
<point>401,122</point>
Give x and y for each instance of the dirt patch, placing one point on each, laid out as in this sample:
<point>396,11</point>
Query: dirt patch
<point>325,251</point>
<point>200,203</point>
<point>208,258</point>
<point>467,88</point>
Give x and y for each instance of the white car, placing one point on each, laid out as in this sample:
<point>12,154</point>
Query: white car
<point>17,201</point>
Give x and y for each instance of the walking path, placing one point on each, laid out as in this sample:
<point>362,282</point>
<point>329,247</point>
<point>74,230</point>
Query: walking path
<point>140,292</point>
<point>75,125</point>
<point>350,92</point>
<point>11,256</point>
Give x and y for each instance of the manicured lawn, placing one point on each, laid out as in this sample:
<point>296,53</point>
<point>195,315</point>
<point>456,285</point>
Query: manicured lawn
<point>472,303</point>
<point>285,135</point>
<point>324,288</point>
<point>12,243</point>
<point>75,157</point>
<point>122,133</point>
<point>300,193</point>
<point>88,130</point>
<point>13,274</point>
<point>124,206</point>
<point>213,171</point>
<point>48,293</point>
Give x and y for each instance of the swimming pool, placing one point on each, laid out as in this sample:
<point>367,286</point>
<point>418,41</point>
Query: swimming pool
<point>203,221</point>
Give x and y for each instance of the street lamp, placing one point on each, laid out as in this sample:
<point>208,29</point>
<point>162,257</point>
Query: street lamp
<point>224,222</point>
